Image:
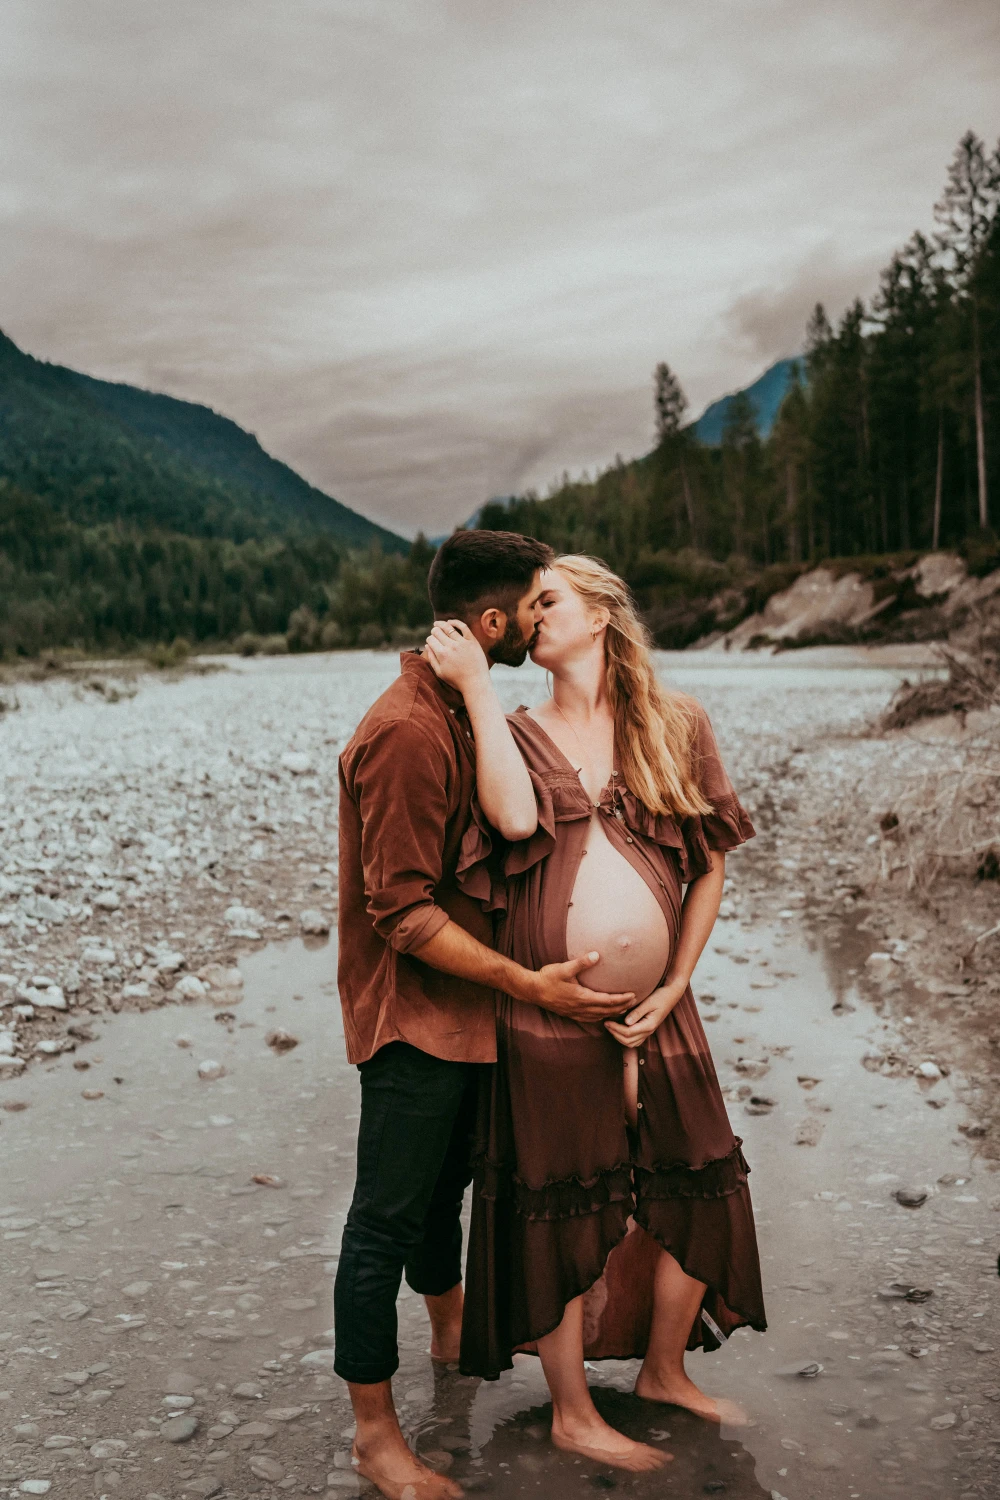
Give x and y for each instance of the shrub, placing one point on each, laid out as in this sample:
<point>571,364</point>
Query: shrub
<point>274,645</point>
<point>371,635</point>
<point>248,644</point>
<point>163,656</point>
<point>331,636</point>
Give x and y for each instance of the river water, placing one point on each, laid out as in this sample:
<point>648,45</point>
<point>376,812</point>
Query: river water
<point>146,1279</point>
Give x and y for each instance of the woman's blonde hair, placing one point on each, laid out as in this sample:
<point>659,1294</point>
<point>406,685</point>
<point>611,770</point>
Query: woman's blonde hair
<point>654,728</point>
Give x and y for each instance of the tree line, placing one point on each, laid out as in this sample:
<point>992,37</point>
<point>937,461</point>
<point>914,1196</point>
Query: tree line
<point>889,442</point>
<point>118,587</point>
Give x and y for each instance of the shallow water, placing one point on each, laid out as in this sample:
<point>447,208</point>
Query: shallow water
<point>134,1239</point>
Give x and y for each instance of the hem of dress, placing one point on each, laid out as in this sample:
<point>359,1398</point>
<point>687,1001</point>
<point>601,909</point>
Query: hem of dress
<point>747,1319</point>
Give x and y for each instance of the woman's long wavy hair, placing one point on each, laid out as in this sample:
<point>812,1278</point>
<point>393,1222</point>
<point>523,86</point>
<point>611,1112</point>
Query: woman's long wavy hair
<point>654,728</point>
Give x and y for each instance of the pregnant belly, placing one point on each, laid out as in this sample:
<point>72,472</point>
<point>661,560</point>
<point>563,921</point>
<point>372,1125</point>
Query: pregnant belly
<point>614,911</point>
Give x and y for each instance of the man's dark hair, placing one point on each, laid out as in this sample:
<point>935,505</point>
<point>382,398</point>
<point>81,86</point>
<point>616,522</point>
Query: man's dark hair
<point>488,569</point>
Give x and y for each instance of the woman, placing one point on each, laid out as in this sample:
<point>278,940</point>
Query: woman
<point>611,1214</point>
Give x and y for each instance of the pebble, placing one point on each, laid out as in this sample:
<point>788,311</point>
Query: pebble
<point>179,1429</point>
<point>108,900</point>
<point>248,1390</point>
<point>178,1403</point>
<point>266,1468</point>
<point>108,1448</point>
<point>806,1370</point>
<point>910,1197</point>
<point>190,987</point>
<point>205,1484</point>
<point>297,762</point>
<point>318,1358</point>
<point>929,1070</point>
<point>35,1486</point>
<point>209,1070</point>
<point>281,1040</point>
<point>256,1430</point>
<point>314,923</point>
<point>944,1421</point>
<point>284,1413</point>
<point>136,1288</point>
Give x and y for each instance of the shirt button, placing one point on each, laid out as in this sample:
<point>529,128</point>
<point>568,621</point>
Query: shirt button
<point>638,1106</point>
<point>629,841</point>
<point>642,1062</point>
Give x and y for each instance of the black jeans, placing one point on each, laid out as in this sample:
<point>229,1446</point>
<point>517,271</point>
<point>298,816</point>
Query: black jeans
<point>414,1164</point>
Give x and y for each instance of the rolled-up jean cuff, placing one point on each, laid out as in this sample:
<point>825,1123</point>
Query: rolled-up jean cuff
<point>364,1374</point>
<point>432,1286</point>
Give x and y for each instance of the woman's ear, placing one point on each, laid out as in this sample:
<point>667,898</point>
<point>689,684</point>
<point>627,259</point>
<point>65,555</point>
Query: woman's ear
<point>600,620</point>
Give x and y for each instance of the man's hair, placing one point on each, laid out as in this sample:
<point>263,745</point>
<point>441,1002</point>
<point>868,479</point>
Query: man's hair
<point>484,570</point>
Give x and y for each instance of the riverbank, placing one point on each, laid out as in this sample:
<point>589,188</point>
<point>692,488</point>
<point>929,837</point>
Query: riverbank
<point>151,837</point>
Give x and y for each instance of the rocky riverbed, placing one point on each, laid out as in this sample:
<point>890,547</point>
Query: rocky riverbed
<point>175,1182</point>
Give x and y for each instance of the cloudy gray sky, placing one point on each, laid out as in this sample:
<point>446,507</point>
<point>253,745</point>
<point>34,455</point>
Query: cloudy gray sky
<point>430,250</point>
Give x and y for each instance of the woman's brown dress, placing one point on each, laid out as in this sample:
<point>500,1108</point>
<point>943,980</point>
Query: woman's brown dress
<point>567,1198</point>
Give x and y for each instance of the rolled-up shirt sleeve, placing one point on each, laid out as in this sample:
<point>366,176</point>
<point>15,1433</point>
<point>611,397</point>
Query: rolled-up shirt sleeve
<point>400,781</point>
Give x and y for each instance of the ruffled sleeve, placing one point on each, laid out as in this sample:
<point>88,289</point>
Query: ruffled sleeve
<point>479,872</point>
<point>728,824</point>
<point>487,860</point>
<point>691,840</point>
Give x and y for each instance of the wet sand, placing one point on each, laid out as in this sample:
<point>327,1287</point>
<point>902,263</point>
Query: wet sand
<point>144,1273</point>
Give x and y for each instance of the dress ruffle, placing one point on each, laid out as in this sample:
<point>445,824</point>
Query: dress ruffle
<point>487,862</point>
<point>691,839</point>
<point>567,1198</point>
<point>716,1179</point>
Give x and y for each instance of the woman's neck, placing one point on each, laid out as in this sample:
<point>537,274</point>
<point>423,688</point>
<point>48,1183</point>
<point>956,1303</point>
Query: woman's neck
<point>578,688</point>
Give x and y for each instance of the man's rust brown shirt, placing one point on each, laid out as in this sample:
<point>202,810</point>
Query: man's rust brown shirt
<point>406,782</point>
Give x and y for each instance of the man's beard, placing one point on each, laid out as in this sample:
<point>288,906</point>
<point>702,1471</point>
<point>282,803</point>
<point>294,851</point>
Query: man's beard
<point>512,649</point>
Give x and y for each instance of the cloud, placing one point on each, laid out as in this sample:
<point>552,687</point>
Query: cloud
<point>430,251</point>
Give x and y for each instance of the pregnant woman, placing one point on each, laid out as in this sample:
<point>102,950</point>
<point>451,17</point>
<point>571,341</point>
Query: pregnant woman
<point>611,1213</point>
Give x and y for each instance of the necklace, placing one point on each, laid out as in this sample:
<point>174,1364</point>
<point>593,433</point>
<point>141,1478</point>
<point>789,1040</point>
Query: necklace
<point>614,772</point>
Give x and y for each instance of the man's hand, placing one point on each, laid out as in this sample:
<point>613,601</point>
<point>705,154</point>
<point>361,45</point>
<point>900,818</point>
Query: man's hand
<point>556,988</point>
<point>457,657</point>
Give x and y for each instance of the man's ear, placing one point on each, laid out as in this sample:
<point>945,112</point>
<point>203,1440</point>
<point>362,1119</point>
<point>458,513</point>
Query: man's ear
<point>492,623</point>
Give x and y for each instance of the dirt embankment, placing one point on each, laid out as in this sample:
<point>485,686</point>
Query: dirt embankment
<point>869,601</point>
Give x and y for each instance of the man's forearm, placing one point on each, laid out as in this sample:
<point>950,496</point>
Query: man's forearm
<point>455,951</point>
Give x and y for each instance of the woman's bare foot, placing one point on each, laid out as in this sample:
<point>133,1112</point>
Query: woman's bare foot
<point>678,1390</point>
<point>399,1475</point>
<point>594,1438</point>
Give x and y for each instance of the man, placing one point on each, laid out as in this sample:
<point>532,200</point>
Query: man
<point>416,974</point>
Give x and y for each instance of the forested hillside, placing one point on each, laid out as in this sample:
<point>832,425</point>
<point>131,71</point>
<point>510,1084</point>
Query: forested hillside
<point>98,452</point>
<point>128,518</point>
<point>891,443</point>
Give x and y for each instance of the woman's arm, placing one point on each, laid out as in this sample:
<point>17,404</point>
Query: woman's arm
<point>502,781</point>
<point>701,907</point>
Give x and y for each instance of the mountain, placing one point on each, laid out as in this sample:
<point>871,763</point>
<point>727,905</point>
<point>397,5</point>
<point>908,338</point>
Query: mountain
<point>767,394</point>
<point>99,452</point>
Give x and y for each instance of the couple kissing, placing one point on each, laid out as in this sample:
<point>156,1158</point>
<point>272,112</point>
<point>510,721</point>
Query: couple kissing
<point>523,900</point>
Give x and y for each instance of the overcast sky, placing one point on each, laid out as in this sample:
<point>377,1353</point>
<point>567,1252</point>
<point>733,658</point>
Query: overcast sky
<point>430,250</point>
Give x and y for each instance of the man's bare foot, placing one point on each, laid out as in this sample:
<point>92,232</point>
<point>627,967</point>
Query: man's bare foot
<point>399,1475</point>
<point>594,1438</point>
<point>445,1313</point>
<point>678,1390</point>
